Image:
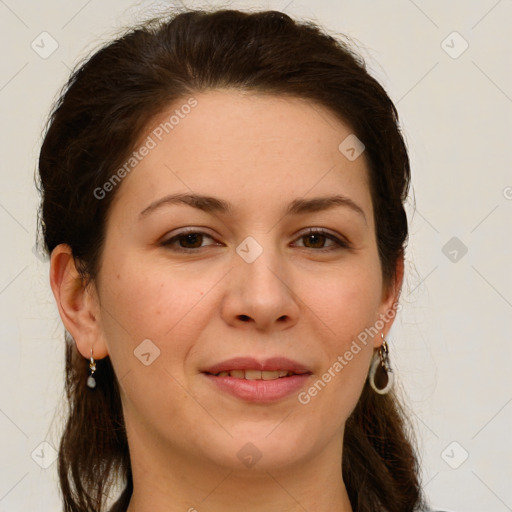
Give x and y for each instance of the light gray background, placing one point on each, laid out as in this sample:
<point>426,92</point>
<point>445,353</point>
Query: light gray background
<point>451,345</point>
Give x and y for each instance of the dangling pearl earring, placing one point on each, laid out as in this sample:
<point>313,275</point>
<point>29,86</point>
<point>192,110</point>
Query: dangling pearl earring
<point>380,370</point>
<point>91,381</point>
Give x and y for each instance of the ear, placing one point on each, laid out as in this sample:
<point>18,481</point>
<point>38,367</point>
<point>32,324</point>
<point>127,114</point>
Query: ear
<point>78,304</point>
<point>390,296</point>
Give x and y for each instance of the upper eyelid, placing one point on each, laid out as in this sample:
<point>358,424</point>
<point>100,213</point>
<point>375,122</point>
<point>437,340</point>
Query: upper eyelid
<point>186,231</point>
<point>338,239</point>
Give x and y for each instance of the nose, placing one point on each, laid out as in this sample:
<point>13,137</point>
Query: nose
<point>260,291</point>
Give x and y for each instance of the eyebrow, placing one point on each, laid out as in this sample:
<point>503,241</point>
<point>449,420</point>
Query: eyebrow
<point>211,204</point>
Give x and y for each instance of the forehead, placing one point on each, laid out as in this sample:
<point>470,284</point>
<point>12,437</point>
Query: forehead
<point>259,148</point>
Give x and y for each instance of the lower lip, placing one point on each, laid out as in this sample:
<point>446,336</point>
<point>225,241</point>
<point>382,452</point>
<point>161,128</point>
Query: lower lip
<point>260,391</point>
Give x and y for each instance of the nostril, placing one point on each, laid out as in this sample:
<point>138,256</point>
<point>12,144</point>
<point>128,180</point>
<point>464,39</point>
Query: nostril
<point>244,318</point>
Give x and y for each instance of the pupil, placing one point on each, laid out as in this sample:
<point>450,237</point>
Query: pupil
<point>313,237</point>
<point>193,239</point>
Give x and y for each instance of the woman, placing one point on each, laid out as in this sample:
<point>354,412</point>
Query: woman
<point>222,199</point>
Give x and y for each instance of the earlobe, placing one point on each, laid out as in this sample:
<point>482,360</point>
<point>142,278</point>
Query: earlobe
<point>78,305</point>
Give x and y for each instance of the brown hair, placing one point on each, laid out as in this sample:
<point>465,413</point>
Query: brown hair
<point>103,111</point>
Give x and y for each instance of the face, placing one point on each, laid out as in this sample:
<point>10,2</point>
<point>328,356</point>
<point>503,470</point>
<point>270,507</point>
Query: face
<point>265,268</point>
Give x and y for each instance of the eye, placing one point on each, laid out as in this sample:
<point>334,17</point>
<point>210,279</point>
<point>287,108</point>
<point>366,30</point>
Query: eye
<point>317,238</point>
<point>186,241</point>
<point>192,240</point>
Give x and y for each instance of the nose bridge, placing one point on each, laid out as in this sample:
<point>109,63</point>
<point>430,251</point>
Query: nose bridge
<point>261,291</point>
<point>260,263</point>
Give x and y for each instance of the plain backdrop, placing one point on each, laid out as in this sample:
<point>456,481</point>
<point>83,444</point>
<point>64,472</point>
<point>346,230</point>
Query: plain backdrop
<point>447,66</point>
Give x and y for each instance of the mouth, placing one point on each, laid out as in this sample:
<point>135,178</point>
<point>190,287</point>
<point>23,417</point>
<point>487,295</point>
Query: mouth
<point>258,374</point>
<point>256,381</point>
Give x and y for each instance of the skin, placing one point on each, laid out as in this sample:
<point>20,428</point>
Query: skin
<point>258,152</point>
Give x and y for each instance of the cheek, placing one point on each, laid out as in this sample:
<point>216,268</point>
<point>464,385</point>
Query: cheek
<point>345,309</point>
<point>347,300</point>
<point>151,319</point>
<point>345,306</point>
<point>148,299</point>
<point>150,302</point>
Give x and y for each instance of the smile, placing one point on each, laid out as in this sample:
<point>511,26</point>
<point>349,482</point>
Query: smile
<point>256,374</point>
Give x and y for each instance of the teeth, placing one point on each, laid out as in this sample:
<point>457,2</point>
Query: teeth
<point>255,374</point>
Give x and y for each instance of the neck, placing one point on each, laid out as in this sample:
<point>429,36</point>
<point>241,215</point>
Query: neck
<point>176,482</point>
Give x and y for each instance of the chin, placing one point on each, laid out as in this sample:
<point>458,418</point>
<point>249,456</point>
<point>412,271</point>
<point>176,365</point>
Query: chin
<point>262,448</point>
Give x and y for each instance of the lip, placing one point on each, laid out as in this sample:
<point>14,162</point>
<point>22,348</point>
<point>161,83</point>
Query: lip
<point>251,363</point>
<point>259,391</point>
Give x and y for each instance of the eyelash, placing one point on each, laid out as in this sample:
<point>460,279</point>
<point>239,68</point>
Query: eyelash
<point>340,244</point>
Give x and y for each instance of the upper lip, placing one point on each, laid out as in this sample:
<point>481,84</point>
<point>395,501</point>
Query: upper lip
<point>251,363</point>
